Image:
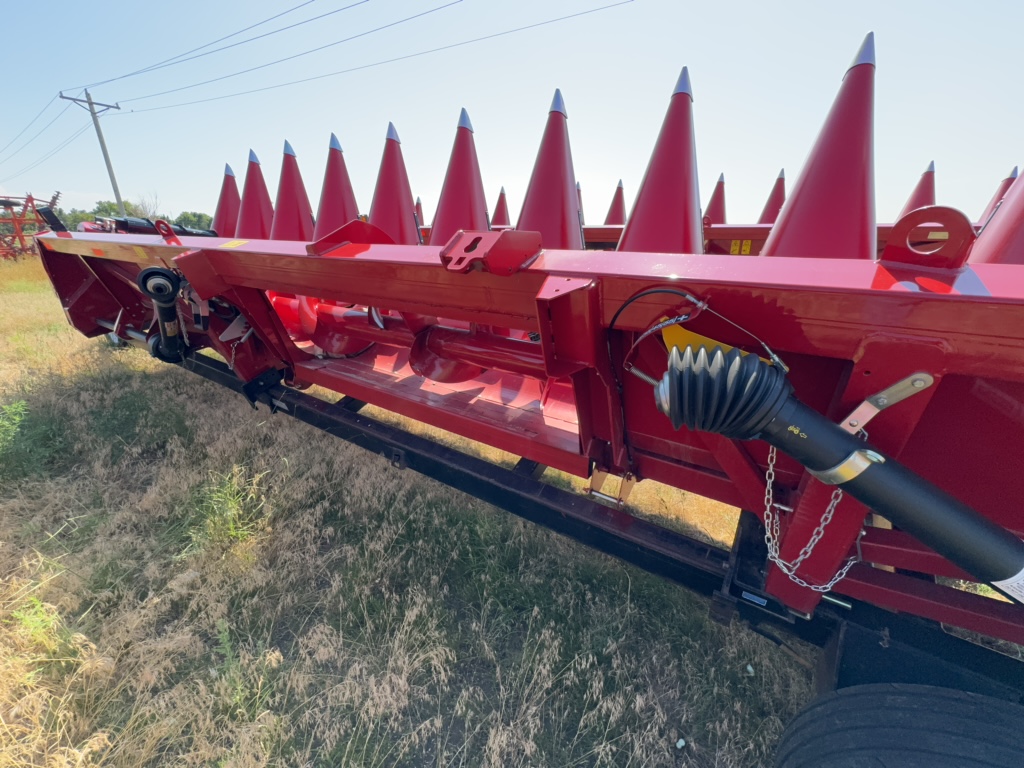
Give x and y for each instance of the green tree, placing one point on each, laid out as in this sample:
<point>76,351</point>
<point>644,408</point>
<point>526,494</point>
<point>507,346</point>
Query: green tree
<point>109,209</point>
<point>194,219</point>
<point>74,217</point>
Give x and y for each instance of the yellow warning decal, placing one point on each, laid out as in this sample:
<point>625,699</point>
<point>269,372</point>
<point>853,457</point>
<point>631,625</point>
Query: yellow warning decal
<point>745,249</point>
<point>734,247</point>
<point>938,235</point>
<point>140,252</point>
<point>234,243</point>
<point>679,336</point>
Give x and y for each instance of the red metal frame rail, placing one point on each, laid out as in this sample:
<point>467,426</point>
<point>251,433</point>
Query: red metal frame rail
<point>846,329</point>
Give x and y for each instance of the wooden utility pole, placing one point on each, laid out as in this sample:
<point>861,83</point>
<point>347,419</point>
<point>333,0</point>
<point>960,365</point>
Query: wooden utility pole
<point>99,135</point>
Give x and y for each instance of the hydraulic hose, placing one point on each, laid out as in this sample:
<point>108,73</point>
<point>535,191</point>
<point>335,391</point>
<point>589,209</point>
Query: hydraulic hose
<point>743,397</point>
<point>161,286</point>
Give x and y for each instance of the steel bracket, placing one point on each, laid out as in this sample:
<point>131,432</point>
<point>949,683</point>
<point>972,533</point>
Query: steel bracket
<point>597,483</point>
<point>263,383</point>
<point>901,390</point>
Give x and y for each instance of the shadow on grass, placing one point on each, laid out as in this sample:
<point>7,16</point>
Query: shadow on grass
<point>262,594</point>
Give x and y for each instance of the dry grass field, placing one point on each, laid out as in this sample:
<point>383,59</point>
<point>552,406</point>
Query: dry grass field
<point>187,582</point>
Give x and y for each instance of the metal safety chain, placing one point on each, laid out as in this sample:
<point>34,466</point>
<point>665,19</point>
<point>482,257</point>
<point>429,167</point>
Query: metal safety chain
<point>772,534</point>
<point>234,347</point>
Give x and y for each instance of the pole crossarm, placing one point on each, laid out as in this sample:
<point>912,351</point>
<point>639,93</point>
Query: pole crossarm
<point>84,104</point>
<point>89,104</point>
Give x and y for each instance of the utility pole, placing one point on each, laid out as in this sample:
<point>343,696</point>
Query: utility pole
<point>99,135</point>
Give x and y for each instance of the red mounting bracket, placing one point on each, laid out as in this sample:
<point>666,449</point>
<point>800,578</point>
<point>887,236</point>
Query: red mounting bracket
<point>500,253</point>
<point>166,232</point>
<point>950,233</point>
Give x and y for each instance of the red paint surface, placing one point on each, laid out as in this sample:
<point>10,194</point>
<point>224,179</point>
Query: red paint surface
<point>666,213</point>
<point>922,195</point>
<point>844,327</point>
<point>337,199</point>
<point>831,210</point>
<point>225,217</point>
<point>293,215</point>
<point>616,215</point>
<point>715,212</point>
<point>462,204</point>
<point>551,206</point>
<point>774,203</point>
<point>392,206</point>
<point>255,212</point>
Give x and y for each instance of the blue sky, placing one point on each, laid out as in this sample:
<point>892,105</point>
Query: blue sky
<point>764,75</point>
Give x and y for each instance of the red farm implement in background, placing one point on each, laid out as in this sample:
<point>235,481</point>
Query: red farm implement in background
<point>857,389</point>
<point>19,221</point>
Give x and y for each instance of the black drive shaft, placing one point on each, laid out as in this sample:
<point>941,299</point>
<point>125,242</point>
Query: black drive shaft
<point>161,286</point>
<point>743,397</point>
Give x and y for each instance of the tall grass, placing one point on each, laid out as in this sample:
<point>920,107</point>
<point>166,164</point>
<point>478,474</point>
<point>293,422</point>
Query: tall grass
<point>184,581</point>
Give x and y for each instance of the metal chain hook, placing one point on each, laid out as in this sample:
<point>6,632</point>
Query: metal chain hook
<point>772,534</point>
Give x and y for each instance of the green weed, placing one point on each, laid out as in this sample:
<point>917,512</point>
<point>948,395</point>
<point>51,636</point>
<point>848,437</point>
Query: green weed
<point>31,442</point>
<point>227,510</point>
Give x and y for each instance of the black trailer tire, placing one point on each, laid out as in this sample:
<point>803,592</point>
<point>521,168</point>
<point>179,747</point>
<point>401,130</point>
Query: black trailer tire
<point>904,726</point>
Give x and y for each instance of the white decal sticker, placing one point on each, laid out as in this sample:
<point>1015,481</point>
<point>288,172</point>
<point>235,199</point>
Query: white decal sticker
<point>1013,586</point>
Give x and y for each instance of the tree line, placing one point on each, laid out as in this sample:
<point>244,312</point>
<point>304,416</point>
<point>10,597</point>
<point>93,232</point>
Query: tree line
<point>143,209</point>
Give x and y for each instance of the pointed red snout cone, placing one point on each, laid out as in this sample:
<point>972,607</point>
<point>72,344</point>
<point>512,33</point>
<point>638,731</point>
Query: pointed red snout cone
<point>1001,190</point>
<point>715,212</point>
<point>616,216</point>
<point>392,207</point>
<point>923,194</point>
<point>418,210</point>
<point>1002,239</point>
<point>831,211</point>
<point>462,204</point>
<point>337,199</point>
<point>551,205</point>
<point>293,215</point>
<point>225,218</point>
<point>500,217</point>
<point>666,213</point>
<point>773,205</point>
<point>255,211</point>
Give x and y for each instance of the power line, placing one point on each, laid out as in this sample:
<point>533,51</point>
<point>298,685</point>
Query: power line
<point>384,61</point>
<point>296,55</point>
<point>36,135</point>
<point>186,53</point>
<point>51,153</point>
<point>30,122</point>
<point>257,37</point>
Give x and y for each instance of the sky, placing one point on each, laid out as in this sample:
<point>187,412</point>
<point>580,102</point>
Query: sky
<point>764,75</point>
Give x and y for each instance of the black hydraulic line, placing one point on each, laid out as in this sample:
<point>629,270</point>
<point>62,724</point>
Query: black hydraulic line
<point>161,286</point>
<point>743,397</point>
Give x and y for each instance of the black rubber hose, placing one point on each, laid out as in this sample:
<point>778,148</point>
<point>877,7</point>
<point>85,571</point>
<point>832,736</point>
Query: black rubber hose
<point>161,286</point>
<point>743,397</point>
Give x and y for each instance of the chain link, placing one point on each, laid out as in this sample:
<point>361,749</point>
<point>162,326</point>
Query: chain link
<point>772,535</point>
